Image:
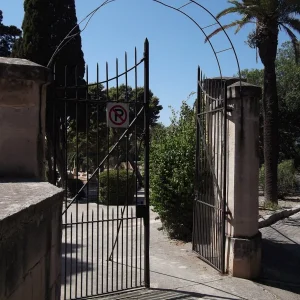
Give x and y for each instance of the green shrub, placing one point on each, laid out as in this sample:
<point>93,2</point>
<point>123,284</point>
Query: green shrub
<point>286,178</point>
<point>172,170</point>
<point>72,188</point>
<point>113,189</point>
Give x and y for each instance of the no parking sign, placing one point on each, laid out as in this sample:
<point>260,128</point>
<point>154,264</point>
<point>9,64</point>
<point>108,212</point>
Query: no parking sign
<point>117,115</point>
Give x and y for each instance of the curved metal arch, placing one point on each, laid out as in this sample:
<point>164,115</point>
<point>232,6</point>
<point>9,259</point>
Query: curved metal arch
<point>69,36</point>
<point>224,30</point>
<point>197,24</point>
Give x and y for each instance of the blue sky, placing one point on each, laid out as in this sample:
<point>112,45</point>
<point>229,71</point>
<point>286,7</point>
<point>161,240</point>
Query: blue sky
<point>176,45</point>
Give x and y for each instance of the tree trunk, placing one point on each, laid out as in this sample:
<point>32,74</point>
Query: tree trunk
<point>135,168</point>
<point>50,171</point>
<point>54,147</point>
<point>267,45</point>
<point>270,134</point>
<point>60,155</point>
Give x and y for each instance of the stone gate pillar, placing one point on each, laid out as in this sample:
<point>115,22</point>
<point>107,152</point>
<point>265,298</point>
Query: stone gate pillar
<point>243,239</point>
<point>22,118</point>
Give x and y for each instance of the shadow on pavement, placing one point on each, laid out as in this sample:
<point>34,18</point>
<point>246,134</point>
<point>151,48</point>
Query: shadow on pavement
<point>70,264</point>
<point>281,265</point>
<point>162,294</point>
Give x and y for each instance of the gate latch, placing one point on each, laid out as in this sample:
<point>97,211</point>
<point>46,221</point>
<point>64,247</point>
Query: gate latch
<point>141,211</point>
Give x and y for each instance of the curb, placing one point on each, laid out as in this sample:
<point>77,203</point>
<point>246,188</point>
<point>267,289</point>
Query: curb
<point>277,216</point>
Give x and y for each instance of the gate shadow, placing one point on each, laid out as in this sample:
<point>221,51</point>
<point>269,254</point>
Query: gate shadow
<point>281,265</point>
<point>169,294</point>
<point>164,294</point>
<point>69,262</point>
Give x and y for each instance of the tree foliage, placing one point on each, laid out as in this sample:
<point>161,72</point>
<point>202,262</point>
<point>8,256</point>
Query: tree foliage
<point>99,140</point>
<point>172,172</point>
<point>288,78</point>
<point>9,35</point>
<point>286,178</point>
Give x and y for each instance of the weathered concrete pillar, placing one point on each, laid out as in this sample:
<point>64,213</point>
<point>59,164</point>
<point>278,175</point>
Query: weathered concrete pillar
<point>243,241</point>
<point>22,118</point>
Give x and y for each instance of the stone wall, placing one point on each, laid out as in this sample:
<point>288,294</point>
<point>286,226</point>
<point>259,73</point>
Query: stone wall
<point>30,241</point>
<point>22,117</point>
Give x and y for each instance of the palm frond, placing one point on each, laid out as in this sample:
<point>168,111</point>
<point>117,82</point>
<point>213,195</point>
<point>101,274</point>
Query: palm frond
<point>233,24</point>
<point>246,20</point>
<point>227,11</point>
<point>293,7</point>
<point>293,23</point>
<point>252,8</point>
<point>236,3</point>
<point>295,42</point>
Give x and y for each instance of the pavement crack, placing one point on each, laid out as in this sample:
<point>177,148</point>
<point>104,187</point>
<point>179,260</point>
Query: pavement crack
<point>195,284</point>
<point>268,292</point>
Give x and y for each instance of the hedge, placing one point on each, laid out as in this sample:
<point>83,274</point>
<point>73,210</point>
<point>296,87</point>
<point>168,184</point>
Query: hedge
<point>113,188</point>
<point>172,173</point>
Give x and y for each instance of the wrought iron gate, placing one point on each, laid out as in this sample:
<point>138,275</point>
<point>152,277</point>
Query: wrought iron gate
<point>105,173</point>
<point>210,194</point>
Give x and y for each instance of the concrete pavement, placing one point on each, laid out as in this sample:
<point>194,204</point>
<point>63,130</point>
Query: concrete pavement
<point>176,272</point>
<point>281,258</point>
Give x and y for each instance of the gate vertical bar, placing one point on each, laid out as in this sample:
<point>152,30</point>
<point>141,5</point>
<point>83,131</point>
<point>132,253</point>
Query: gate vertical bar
<point>197,161</point>
<point>54,132</point>
<point>224,204</point>
<point>146,168</point>
<point>211,170</point>
<point>65,170</point>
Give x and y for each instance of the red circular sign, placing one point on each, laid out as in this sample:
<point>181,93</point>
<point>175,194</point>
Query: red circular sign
<point>118,115</point>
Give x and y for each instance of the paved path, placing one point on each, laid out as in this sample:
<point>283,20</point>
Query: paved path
<point>281,258</point>
<point>177,273</point>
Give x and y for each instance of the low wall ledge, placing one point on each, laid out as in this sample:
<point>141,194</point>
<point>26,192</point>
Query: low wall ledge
<point>23,69</point>
<point>17,196</point>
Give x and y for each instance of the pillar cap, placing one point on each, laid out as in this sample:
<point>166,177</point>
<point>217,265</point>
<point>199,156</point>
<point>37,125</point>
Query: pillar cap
<point>23,69</point>
<point>235,90</point>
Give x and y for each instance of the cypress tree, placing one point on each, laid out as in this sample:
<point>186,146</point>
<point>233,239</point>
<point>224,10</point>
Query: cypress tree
<point>36,44</point>
<point>71,54</point>
<point>46,23</point>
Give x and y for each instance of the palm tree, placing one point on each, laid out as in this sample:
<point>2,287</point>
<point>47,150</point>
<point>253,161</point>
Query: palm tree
<point>269,16</point>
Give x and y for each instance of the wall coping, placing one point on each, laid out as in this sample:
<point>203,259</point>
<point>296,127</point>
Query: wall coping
<point>243,83</point>
<point>19,196</point>
<point>238,90</point>
<point>23,69</point>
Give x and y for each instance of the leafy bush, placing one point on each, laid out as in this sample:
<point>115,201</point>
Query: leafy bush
<point>172,170</point>
<point>286,178</point>
<point>72,188</point>
<point>113,189</point>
